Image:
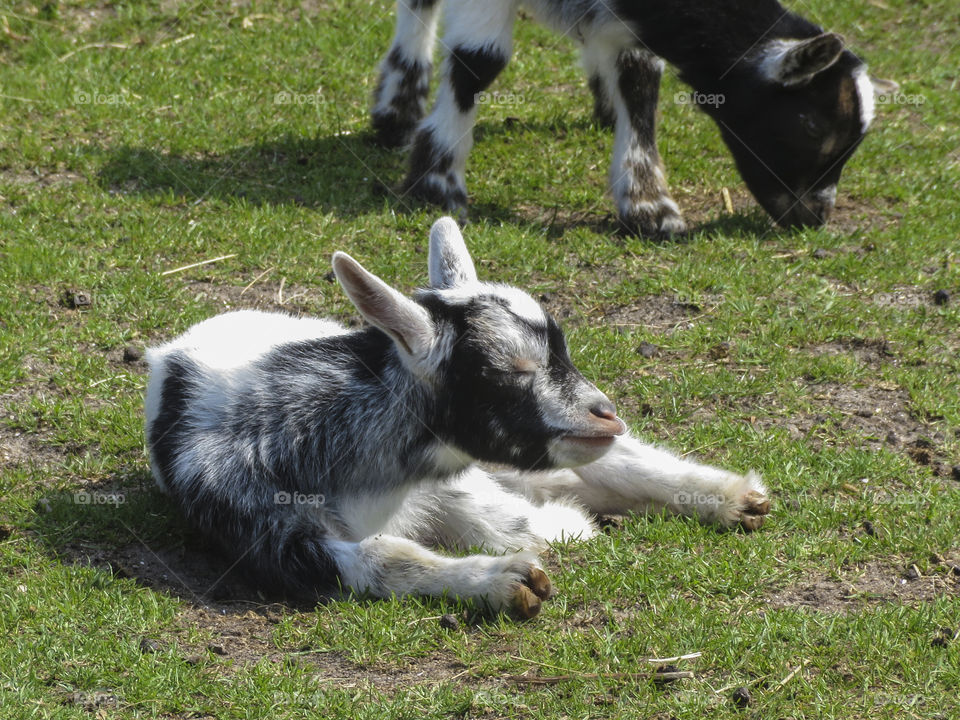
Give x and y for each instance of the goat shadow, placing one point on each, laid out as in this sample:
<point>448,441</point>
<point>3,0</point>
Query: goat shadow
<point>125,528</point>
<point>348,175</point>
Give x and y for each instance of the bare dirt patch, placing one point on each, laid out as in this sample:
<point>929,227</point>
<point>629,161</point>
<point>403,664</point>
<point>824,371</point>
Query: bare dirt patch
<point>660,313</point>
<point>866,351</point>
<point>271,293</point>
<point>870,584</point>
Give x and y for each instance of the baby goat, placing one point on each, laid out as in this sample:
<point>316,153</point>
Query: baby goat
<point>320,457</point>
<point>791,102</point>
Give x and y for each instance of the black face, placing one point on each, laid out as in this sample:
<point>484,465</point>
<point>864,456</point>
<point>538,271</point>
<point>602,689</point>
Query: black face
<point>499,387</point>
<point>791,143</point>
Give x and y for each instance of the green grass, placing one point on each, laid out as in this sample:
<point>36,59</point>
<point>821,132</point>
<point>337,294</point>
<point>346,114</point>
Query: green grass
<point>139,137</point>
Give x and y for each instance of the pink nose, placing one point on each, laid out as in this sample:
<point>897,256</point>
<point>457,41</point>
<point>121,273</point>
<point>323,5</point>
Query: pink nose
<point>605,415</point>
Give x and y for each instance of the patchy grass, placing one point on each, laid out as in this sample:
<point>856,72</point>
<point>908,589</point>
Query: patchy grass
<point>139,137</point>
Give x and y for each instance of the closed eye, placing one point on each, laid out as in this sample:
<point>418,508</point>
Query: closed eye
<point>810,126</point>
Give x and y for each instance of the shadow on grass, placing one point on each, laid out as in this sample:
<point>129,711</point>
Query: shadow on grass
<point>345,175</point>
<point>133,531</point>
<point>130,529</point>
<point>342,174</point>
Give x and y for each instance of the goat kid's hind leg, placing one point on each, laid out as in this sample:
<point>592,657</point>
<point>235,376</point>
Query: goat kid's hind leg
<point>474,510</point>
<point>400,100</point>
<point>385,565</point>
<point>637,179</point>
<point>478,42</point>
<point>601,82</point>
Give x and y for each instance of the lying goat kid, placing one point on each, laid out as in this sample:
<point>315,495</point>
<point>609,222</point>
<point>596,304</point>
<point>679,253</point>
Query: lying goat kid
<point>318,456</point>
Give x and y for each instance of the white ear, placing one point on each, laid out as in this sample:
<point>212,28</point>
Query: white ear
<point>402,319</point>
<point>883,87</point>
<point>450,262</point>
<point>795,62</point>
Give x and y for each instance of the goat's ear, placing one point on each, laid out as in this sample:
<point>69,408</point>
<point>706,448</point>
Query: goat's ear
<point>450,262</point>
<point>883,87</point>
<point>402,319</point>
<point>795,62</point>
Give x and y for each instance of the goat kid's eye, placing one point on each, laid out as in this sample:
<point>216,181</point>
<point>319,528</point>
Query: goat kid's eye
<point>810,126</point>
<point>521,374</point>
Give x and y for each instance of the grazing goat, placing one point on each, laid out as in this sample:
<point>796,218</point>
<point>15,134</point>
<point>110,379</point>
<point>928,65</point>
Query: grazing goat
<point>791,102</point>
<point>320,457</point>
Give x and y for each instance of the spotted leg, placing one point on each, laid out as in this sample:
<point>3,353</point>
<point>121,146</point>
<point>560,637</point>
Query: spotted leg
<point>400,100</point>
<point>479,42</point>
<point>630,79</point>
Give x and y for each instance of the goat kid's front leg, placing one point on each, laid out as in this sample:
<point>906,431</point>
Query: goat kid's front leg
<point>637,179</point>
<point>478,40</point>
<point>386,566</point>
<point>400,100</point>
<point>635,476</point>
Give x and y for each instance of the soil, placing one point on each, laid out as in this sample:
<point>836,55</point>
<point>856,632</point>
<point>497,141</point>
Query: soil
<point>870,584</point>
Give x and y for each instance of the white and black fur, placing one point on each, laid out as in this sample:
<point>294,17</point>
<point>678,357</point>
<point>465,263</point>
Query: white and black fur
<point>795,103</point>
<point>320,457</point>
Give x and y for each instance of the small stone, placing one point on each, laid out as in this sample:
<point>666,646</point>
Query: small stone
<point>217,649</point>
<point>941,297</point>
<point>132,354</point>
<point>945,637</point>
<point>721,350</point>
<point>79,299</point>
<point>869,529</point>
<point>647,350</point>
<point>149,645</point>
<point>741,697</point>
<point>820,254</point>
<point>449,622</point>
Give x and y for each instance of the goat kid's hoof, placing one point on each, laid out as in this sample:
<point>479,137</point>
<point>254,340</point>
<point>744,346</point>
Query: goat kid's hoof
<point>756,507</point>
<point>530,594</point>
<point>437,189</point>
<point>660,221</point>
<point>392,131</point>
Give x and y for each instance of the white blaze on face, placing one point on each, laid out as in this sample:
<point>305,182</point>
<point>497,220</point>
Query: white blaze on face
<point>865,91</point>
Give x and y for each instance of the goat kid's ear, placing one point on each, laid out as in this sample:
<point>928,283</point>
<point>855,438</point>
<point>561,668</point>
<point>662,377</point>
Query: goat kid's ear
<point>883,87</point>
<point>450,262</point>
<point>407,323</point>
<point>795,62</point>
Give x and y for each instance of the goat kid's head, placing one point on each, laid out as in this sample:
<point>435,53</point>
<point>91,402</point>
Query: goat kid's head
<point>793,122</point>
<point>498,365</point>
